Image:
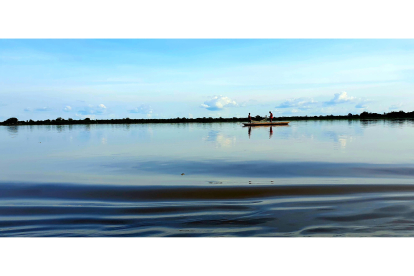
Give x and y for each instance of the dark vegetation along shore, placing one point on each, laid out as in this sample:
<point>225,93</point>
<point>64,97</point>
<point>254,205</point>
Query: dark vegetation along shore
<point>60,121</point>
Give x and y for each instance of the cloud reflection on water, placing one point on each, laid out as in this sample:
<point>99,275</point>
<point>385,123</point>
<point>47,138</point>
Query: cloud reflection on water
<point>219,139</point>
<point>307,148</point>
<point>267,169</point>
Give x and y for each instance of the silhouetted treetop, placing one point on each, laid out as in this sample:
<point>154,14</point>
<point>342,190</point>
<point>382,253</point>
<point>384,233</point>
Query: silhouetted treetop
<point>11,121</point>
<point>60,121</point>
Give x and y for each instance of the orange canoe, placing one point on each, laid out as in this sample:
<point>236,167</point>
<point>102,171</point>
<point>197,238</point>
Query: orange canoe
<point>266,124</point>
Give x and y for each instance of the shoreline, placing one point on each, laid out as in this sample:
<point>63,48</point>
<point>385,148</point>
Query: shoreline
<point>198,120</point>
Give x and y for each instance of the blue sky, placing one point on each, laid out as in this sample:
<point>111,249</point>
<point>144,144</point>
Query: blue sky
<point>138,78</point>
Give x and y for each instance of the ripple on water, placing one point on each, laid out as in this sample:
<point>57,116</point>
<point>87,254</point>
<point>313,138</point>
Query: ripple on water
<point>265,210</point>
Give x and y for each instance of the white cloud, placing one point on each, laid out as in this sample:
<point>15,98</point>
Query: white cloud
<point>43,109</point>
<point>337,105</point>
<point>83,116</point>
<point>91,110</point>
<point>361,105</point>
<point>340,97</point>
<point>142,109</point>
<point>67,108</point>
<point>218,103</point>
<point>395,106</point>
<point>298,103</point>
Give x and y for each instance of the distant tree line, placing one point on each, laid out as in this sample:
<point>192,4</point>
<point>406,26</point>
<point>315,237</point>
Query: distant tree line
<point>60,121</point>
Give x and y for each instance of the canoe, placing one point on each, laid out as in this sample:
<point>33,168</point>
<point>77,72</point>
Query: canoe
<point>266,124</point>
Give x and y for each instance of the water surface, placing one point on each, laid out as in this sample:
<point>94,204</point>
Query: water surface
<point>312,178</point>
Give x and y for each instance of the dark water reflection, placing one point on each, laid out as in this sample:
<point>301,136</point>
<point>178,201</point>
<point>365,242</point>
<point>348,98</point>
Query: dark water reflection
<point>316,178</point>
<point>269,169</point>
<point>13,131</point>
<point>83,210</point>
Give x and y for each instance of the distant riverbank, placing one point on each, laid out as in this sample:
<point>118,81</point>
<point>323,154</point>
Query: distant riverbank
<point>401,115</point>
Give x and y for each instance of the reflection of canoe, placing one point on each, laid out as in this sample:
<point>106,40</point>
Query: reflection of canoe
<point>267,124</point>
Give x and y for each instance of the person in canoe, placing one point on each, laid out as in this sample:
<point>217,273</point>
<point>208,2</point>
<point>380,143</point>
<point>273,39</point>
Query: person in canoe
<point>250,118</point>
<point>271,116</point>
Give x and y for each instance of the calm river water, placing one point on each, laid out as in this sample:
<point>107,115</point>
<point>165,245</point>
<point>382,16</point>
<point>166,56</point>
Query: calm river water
<point>311,178</point>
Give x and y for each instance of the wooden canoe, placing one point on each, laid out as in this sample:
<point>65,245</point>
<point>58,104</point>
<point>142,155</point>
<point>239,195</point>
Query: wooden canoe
<point>267,124</point>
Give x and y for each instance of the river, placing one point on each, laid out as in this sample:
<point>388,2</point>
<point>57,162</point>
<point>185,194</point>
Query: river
<point>311,178</point>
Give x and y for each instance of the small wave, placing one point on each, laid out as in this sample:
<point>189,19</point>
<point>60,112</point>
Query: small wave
<point>51,210</point>
<point>266,169</point>
<point>131,193</point>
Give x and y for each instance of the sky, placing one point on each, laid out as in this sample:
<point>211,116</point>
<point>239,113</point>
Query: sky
<point>168,78</point>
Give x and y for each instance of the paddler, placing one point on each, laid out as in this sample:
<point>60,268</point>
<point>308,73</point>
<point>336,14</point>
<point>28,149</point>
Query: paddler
<point>271,116</point>
<point>250,118</point>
